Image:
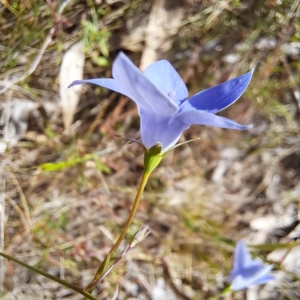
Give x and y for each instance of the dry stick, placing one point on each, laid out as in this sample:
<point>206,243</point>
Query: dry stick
<point>36,61</point>
<point>142,233</point>
<point>113,265</point>
<point>19,211</point>
<point>293,83</point>
<point>2,219</point>
<point>105,263</point>
<point>9,84</point>
<point>61,281</point>
<point>22,198</point>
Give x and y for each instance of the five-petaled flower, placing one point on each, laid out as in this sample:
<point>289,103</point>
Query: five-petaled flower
<point>247,271</point>
<point>162,100</point>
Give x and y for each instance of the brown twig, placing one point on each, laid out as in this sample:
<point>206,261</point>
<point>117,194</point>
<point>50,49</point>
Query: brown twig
<point>293,84</point>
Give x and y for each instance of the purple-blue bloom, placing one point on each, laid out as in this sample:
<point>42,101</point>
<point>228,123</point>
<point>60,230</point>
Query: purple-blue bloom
<point>162,100</point>
<point>247,271</point>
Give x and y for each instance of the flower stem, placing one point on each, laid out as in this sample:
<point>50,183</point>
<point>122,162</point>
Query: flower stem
<point>45,274</point>
<point>152,159</point>
<point>226,291</point>
<point>105,262</point>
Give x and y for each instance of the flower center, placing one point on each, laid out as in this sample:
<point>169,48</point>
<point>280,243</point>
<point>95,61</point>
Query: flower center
<point>172,94</point>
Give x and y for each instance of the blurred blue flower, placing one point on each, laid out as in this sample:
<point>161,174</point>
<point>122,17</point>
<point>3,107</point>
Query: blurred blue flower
<point>162,100</point>
<point>247,271</point>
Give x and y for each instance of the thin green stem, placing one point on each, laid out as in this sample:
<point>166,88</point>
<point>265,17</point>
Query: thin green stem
<point>105,262</point>
<point>224,292</point>
<point>152,159</point>
<point>132,213</point>
<point>49,276</point>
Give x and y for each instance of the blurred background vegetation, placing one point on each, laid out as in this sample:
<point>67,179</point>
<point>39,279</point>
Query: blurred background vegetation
<point>66,189</point>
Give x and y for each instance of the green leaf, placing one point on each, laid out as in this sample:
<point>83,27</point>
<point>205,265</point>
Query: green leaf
<point>100,61</point>
<point>271,247</point>
<point>59,166</point>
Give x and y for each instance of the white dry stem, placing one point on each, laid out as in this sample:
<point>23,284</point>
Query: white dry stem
<point>19,211</point>
<point>9,83</point>
<point>22,198</point>
<point>139,236</point>
<point>116,293</point>
<point>162,26</point>
<point>2,221</point>
<point>71,69</point>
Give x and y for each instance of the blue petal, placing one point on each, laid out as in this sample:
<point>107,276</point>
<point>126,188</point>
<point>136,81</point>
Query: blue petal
<point>256,272</point>
<point>156,130</point>
<point>247,271</point>
<point>221,96</point>
<point>108,83</point>
<point>247,277</point>
<point>239,283</point>
<point>264,279</point>
<point>242,258</point>
<point>242,255</point>
<point>139,88</point>
<point>165,77</point>
<point>205,118</point>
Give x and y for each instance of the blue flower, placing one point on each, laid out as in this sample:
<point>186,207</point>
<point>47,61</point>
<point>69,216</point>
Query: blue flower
<point>162,100</point>
<point>247,271</point>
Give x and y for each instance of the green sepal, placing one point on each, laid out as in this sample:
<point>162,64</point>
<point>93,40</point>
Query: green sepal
<point>180,144</point>
<point>226,290</point>
<point>152,158</point>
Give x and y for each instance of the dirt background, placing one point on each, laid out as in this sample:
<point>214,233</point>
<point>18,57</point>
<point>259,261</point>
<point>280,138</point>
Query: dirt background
<point>67,182</point>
